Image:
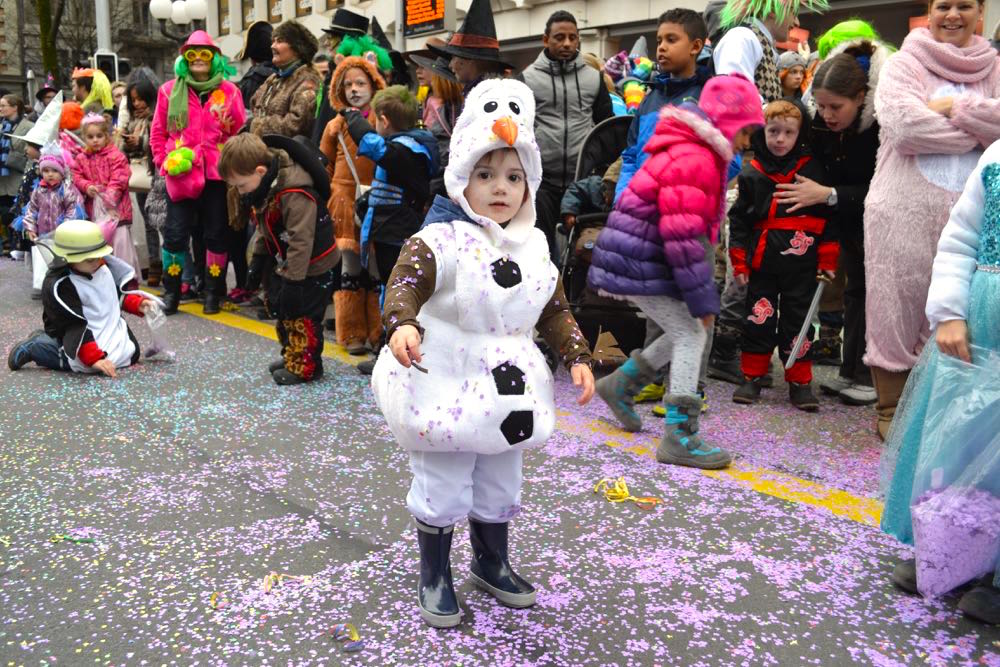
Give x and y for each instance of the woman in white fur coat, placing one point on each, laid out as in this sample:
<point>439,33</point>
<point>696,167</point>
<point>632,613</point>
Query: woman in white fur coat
<point>938,104</point>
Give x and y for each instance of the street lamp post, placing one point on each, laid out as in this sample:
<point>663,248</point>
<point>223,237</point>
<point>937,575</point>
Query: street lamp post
<point>181,12</point>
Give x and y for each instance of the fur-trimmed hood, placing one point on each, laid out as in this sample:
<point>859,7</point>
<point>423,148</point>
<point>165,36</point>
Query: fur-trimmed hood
<point>697,125</point>
<point>878,59</point>
<point>336,93</point>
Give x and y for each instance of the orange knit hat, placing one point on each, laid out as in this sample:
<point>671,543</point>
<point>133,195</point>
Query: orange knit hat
<point>72,116</point>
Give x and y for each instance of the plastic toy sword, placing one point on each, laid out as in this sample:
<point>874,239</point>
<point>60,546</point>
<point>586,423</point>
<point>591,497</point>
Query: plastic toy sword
<point>806,325</point>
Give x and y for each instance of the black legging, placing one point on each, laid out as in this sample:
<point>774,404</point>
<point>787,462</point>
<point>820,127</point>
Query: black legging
<point>205,218</point>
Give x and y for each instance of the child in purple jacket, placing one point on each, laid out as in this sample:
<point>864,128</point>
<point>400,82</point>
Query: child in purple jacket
<point>53,199</point>
<point>656,251</point>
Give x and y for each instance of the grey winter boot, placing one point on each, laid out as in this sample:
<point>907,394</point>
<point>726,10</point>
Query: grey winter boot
<point>619,389</point>
<point>681,444</point>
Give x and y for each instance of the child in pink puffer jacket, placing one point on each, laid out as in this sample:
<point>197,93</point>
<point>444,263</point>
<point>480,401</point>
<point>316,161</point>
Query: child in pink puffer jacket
<point>656,251</point>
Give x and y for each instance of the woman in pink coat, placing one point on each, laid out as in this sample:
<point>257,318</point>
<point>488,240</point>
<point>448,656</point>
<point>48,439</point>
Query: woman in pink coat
<point>196,114</point>
<point>938,104</point>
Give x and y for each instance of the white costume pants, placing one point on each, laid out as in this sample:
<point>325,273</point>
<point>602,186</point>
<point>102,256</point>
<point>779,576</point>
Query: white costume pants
<point>450,486</point>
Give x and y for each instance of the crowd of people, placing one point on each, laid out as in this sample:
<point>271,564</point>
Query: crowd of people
<point>855,184</point>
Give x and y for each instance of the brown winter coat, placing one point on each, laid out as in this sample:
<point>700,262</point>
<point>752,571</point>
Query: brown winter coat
<point>297,222</point>
<point>342,185</point>
<point>286,106</point>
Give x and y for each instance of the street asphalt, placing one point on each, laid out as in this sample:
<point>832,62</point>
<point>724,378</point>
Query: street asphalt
<point>227,521</point>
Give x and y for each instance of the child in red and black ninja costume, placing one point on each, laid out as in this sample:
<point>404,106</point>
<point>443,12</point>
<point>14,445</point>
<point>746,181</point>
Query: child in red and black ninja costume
<point>780,251</point>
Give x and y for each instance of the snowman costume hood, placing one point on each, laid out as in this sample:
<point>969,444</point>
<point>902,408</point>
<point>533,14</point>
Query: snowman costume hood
<point>487,388</point>
<point>498,113</point>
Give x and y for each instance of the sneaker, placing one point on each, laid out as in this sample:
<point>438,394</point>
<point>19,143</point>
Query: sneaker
<point>835,386</point>
<point>748,393</point>
<point>19,356</point>
<point>859,394</point>
<point>802,396</point>
<point>651,392</point>
<point>904,575</point>
<point>239,296</point>
<point>982,603</point>
<point>367,367</point>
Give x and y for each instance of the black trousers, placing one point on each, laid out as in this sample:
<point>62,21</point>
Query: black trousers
<point>852,248</point>
<point>547,204</point>
<point>205,218</point>
<point>776,307</point>
<point>300,326</point>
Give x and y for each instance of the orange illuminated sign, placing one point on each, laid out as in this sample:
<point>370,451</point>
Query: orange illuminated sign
<point>422,16</point>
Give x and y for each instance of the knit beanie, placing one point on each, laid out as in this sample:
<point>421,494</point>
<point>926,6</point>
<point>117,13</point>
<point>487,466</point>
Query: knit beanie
<point>72,116</point>
<point>790,59</point>
<point>732,103</point>
<point>52,158</point>
<point>299,38</point>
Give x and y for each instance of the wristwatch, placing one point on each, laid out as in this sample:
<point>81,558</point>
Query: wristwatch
<point>832,199</point>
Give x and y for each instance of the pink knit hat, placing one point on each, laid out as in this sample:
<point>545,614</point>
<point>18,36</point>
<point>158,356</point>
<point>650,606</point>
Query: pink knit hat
<point>52,158</point>
<point>731,102</point>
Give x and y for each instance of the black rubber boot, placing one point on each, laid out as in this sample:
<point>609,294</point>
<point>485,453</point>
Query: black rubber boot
<point>748,393</point>
<point>724,360</point>
<point>491,568</point>
<point>215,290</point>
<point>802,397</point>
<point>436,592</point>
<point>904,575</point>
<point>171,293</point>
<point>275,365</point>
<point>982,603</point>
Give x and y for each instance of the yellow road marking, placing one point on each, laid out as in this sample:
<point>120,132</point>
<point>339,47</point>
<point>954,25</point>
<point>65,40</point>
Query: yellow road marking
<point>256,327</point>
<point>774,483</point>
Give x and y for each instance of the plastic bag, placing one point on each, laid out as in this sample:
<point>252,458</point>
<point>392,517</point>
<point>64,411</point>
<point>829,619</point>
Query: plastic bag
<point>158,349</point>
<point>955,501</point>
<point>106,217</point>
<point>38,267</point>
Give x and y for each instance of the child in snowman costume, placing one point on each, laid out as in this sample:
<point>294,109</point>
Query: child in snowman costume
<point>465,389</point>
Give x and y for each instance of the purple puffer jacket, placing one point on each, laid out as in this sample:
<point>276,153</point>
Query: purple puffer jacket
<point>658,240</point>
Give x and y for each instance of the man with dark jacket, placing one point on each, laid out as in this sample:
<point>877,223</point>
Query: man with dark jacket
<point>256,47</point>
<point>570,98</point>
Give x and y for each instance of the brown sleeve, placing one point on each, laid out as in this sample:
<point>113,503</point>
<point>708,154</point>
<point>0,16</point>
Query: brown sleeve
<point>297,120</point>
<point>561,332</point>
<point>410,285</point>
<point>298,212</point>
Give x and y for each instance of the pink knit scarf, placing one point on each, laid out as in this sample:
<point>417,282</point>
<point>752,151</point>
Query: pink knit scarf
<point>968,64</point>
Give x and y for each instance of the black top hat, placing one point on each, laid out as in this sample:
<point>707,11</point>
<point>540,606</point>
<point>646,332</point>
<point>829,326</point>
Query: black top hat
<point>346,22</point>
<point>476,39</point>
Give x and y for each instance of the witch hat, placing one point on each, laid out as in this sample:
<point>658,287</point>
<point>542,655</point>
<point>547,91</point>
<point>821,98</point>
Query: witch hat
<point>477,38</point>
<point>48,87</point>
<point>379,35</point>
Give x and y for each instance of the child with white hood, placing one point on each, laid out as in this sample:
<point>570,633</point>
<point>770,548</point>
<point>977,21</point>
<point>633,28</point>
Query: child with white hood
<point>464,388</point>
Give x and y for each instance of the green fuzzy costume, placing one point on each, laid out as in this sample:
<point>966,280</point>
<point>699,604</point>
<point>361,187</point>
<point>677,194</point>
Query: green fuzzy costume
<point>737,11</point>
<point>353,45</point>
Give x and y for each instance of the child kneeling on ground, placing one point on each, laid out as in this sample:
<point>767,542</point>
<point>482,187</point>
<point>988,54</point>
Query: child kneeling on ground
<point>657,251</point>
<point>283,184</point>
<point>83,298</point>
<point>780,250</point>
<point>465,389</point>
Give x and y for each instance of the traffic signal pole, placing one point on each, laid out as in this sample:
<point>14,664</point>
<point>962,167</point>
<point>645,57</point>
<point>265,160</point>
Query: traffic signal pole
<point>103,17</point>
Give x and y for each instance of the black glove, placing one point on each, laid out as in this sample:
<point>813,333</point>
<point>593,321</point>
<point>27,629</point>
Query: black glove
<point>292,299</point>
<point>357,126</point>
<point>255,272</point>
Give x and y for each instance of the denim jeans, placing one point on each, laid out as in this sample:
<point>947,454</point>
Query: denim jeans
<point>46,352</point>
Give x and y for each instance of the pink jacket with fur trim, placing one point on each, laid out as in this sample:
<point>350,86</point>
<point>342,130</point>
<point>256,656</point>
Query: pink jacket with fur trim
<point>109,171</point>
<point>658,240</point>
<point>210,125</point>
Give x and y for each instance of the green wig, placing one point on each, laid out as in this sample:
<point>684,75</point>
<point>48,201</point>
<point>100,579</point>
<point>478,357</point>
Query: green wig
<point>737,11</point>
<point>220,65</point>
<point>846,31</point>
<point>353,45</point>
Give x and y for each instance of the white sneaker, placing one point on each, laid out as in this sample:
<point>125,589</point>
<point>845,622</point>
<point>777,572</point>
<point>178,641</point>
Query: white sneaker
<point>835,386</point>
<point>17,255</point>
<point>858,394</point>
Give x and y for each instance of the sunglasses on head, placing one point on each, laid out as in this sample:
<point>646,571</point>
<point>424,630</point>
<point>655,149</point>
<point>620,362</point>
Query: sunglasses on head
<point>192,55</point>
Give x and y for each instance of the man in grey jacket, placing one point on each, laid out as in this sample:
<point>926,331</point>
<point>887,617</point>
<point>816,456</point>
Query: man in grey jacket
<point>570,98</point>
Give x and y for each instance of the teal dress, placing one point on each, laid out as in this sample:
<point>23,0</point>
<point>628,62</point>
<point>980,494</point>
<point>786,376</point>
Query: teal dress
<point>903,445</point>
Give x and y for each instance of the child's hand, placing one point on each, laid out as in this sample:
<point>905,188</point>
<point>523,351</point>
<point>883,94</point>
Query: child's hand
<point>32,236</point>
<point>107,367</point>
<point>942,105</point>
<point>92,190</point>
<point>146,306</point>
<point>583,377</point>
<point>405,345</point>
<point>953,339</point>
<point>708,321</point>
<point>569,220</point>
<point>741,279</point>
<point>826,276</point>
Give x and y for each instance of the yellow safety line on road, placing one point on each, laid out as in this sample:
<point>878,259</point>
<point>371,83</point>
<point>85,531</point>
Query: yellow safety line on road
<point>769,482</point>
<point>231,319</point>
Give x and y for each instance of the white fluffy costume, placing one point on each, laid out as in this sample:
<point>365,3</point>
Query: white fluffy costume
<point>479,289</point>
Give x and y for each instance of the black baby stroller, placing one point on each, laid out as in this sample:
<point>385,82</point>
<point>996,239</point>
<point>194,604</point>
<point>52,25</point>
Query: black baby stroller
<point>594,313</point>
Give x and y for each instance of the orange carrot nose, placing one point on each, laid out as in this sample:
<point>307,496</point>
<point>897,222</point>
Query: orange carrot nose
<point>506,129</point>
